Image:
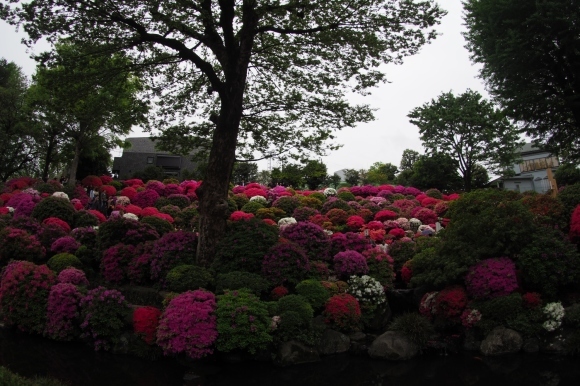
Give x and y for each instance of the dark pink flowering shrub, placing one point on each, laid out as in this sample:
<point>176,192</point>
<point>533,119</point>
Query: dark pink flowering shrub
<point>103,314</point>
<point>65,244</point>
<point>136,210</point>
<point>350,263</point>
<point>73,276</point>
<point>491,278</point>
<point>23,204</point>
<point>188,325</point>
<point>24,289</point>
<point>412,191</point>
<point>575,226</point>
<point>63,312</point>
<point>50,233</point>
<point>157,186</point>
<point>426,215</point>
<point>238,215</point>
<point>304,213</point>
<point>441,208</point>
<point>355,223</point>
<point>133,182</point>
<point>397,233</point>
<point>98,215</point>
<point>139,268</point>
<point>173,249</point>
<point>18,244</point>
<point>341,242</point>
<point>115,261</point>
<point>28,224</point>
<point>122,230</point>
<point>310,237</point>
<point>342,311</point>
<point>171,189</point>
<point>149,211</point>
<point>451,302</point>
<point>285,263</point>
<point>146,198</point>
<point>532,300</point>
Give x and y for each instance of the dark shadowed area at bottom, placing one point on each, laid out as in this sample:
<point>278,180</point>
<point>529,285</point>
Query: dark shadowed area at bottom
<point>76,364</point>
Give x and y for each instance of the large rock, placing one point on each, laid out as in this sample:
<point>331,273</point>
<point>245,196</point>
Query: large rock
<point>501,341</point>
<point>294,353</point>
<point>393,345</point>
<point>333,342</point>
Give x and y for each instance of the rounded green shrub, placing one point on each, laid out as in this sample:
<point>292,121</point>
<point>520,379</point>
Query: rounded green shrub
<point>171,210</point>
<point>160,225</point>
<point>346,196</point>
<point>298,304</point>
<point>240,200</point>
<point>239,279</point>
<point>252,207</point>
<point>188,277</point>
<point>287,203</point>
<point>61,261</point>
<point>82,218</point>
<point>414,326</point>
<point>319,196</point>
<point>314,292</point>
<point>123,230</point>
<point>54,207</point>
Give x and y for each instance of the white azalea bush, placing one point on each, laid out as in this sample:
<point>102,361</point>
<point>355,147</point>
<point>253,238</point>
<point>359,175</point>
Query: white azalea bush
<point>555,313</point>
<point>286,221</point>
<point>131,216</point>
<point>329,192</point>
<point>259,199</point>
<point>367,290</point>
<point>61,195</point>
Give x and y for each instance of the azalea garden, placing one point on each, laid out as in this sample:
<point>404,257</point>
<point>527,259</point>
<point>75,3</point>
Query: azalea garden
<point>293,266</point>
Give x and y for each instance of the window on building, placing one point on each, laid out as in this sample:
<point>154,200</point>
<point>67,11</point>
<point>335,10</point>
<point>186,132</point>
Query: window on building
<point>150,160</point>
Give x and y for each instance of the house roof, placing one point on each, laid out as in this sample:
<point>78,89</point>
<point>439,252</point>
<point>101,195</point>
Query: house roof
<point>530,148</point>
<point>142,145</point>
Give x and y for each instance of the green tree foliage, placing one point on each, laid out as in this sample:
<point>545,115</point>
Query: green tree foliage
<point>352,177</point>
<point>244,172</point>
<point>408,159</point>
<point>83,97</point>
<point>437,171</point>
<point>17,149</point>
<point>567,174</point>
<point>529,52</point>
<point>470,130</point>
<point>314,172</point>
<point>289,175</point>
<point>381,173</point>
<point>332,180</point>
<point>245,76</point>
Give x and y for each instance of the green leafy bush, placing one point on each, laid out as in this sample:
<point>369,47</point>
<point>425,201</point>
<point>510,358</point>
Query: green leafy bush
<point>414,326</point>
<point>252,207</point>
<point>314,292</point>
<point>236,280</point>
<point>61,261</point>
<point>188,277</point>
<point>242,322</point>
<point>82,218</point>
<point>54,207</point>
<point>160,225</point>
<point>123,230</point>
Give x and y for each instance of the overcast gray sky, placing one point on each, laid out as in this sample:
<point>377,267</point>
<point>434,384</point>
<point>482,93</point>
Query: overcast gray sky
<point>439,67</point>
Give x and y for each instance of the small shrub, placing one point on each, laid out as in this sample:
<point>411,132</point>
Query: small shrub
<point>242,322</point>
<point>309,237</point>
<point>54,207</point>
<point>65,244</point>
<point>173,249</point>
<point>103,314</point>
<point>188,278</point>
<point>287,203</point>
<point>285,263</point>
<point>145,323</point>
<point>342,312</point>
<point>350,263</point>
<point>161,226</point>
<point>115,261</point>
<point>239,279</point>
<point>252,207</point>
<point>73,276</point>
<point>491,278</point>
<point>414,326</point>
<point>61,261</point>
<point>63,312</point>
<point>17,244</point>
<point>122,230</point>
<point>313,291</point>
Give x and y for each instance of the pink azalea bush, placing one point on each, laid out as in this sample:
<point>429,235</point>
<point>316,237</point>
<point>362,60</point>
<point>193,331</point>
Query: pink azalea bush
<point>350,263</point>
<point>19,245</point>
<point>310,237</point>
<point>285,263</point>
<point>188,325</point>
<point>63,312</point>
<point>66,244</point>
<point>115,261</point>
<point>491,278</point>
<point>73,276</point>
<point>172,249</point>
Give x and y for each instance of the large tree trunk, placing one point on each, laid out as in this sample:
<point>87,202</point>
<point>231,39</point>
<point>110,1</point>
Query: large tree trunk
<point>75,163</point>
<point>213,192</point>
<point>48,158</point>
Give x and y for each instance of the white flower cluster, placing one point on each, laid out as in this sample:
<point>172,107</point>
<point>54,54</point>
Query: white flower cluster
<point>414,224</point>
<point>366,290</point>
<point>286,221</point>
<point>31,191</point>
<point>131,216</point>
<point>60,195</point>
<point>329,192</point>
<point>555,313</point>
<point>404,223</point>
<point>10,209</point>
<point>123,201</point>
<point>259,199</point>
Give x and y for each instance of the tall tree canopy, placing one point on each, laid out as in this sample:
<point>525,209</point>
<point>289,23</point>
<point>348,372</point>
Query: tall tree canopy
<point>436,170</point>
<point>251,73</point>
<point>530,52</point>
<point>380,173</point>
<point>470,130</point>
<point>84,100</point>
<point>17,150</point>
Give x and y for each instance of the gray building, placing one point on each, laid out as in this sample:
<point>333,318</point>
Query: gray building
<point>143,153</point>
<point>531,174</point>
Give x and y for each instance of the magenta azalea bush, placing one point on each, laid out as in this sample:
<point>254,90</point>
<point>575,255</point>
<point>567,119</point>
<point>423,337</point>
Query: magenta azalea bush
<point>491,278</point>
<point>285,263</point>
<point>66,244</point>
<point>188,325</point>
<point>310,237</point>
<point>174,248</point>
<point>350,263</point>
<point>115,261</point>
<point>18,244</point>
<point>63,312</point>
<point>73,276</point>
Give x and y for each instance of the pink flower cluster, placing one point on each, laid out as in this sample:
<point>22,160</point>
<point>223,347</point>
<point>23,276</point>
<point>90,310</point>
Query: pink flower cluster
<point>350,263</point>
<point>491,278</point>
<point>63,311</point>
<point>188,325</point>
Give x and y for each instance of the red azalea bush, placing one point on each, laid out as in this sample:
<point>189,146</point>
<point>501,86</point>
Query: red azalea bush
<point>385,215</point>
<point>426,215</point>
<point>255,191</point>
<point>238,215</point>
<point>407,272</point>
<point>24,290</point>
<point>405,206</point>
<point>109,190</point>
<point>355,223</point>
<point>63,312</point>
<point>99,216</point>
<point>310,237</point>
<point>157,186</point>
<point>532,300</point>
<point>66,244</point>
<point>451,302</point>
<point>128,192</point>
<point>491,278</point>
<point>338,216</point>
<point>397,233</point>
<point>278,292</point>
<point>350,263</point>
<point>342,311</point>
<point>139,268</point>
<point>92,181</point>
<point>136,210</point>
<point>285,263</point>
<point>149,211</point>
<point>18,244</point>
<point>58,222</point>
<point>188,325</point>
<point>145,322</point>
